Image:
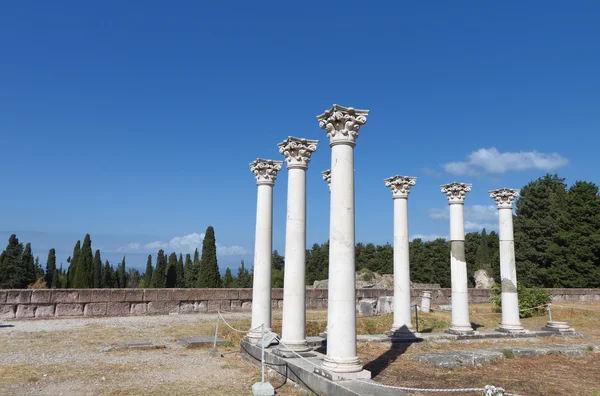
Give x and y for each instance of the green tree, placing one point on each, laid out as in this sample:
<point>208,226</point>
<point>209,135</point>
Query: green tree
<point>109,276</point>
<point>189,274</point>
<point>148,273</point>
<point>244,279</point>
<point>196,268</point>
<point>209,268</point>
<point>28,270</point>
<point>277,268</point>
<point>121,274</point>
<point>172,270</point>
<point>51,270</point>
<point>97,272</point>
<point>159,276</point>
<point>133,278</point>
<point>228,280</point>
<point>180,272</point>
<point>10,264</point>
<point>84,264</point>
<point>73,264</point>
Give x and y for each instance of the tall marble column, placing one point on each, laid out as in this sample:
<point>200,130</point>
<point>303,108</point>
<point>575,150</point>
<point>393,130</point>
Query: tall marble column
<point>342,125</point>
<point>504,198</point>
<point>297,153</point>
<point>266,173</point>
<point>456,193</point>
<point>400,186</point>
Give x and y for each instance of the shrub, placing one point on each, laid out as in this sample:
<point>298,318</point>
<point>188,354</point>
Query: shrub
<point>508,353</point>
<point>528,298</point>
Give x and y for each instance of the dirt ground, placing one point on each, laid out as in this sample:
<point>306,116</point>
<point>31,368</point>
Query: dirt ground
<point>69,357</point>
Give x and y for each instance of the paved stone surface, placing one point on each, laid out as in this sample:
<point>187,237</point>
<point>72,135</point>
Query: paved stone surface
<point>140,344</point>
<point>200,341</point>
<point>476,357</point>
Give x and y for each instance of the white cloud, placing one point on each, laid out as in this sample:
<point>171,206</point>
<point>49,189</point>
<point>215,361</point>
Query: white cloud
<point>493,161</point>
<point>477,217</point>
<point>184,244</point>
<point>428,237</point>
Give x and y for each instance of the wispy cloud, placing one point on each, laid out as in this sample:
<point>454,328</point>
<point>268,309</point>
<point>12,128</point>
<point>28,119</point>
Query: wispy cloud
<point>490,160</point>
<point>184,244</point>
<point>477,217</point>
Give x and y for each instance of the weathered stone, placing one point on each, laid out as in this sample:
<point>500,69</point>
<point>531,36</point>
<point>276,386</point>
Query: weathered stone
<point>44,311</point>
<point>95,309</point>
<point>163,307</point>
<point>118,295</point>
<point>25,311</point>
<point>85,296</point>
<point>139,344</point>
<point>226,305</point>
<point>41,296</point>
<point>245,294</point>
<point>367,307</point>
<point>18,297</point>
<point>280,304</point>
<point>483,280</point>
<point>163,295</point>
<point>186,307</point>
<point>100,295</point>
<point>201,306</point>
<point>69,309</point>
<point>214,306</point>
<point>136,295</point>
<point>236,305</point>
<point>200,341</point>
<point>115,308</point>
<point>385,305</point>
<point>263,389</point>
<point>446,308</point>
<point>247,306</point>
<point>233,294</point>
<point>277,294</point>
<point>150,294</point>
<point>64,296</point>
<point>138,308</point>
<point>3,296</point>
<point>7,311</point>
<point>181,295</point>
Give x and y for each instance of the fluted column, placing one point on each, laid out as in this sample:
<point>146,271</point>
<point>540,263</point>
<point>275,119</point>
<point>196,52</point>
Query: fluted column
<point>297,153</point>
<point>400,186</point>
<point>504,198</point>
<point>456,193</point>
<point>342,125</point>
<point>266,173</point>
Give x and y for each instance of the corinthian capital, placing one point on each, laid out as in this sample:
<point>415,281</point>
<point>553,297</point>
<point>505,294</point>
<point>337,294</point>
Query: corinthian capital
<point>342,123</point>
<point>265,170</point>
<point>297,151</point>
<point>456,192</point>
<point>504,197</point>
<point>327,177</point>
<point>400,185</point>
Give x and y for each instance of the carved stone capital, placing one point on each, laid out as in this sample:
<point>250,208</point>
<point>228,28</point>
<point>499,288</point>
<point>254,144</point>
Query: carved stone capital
<point>456,192</point>
<point>504,197</point>
<point>327,177</point>
<point>265,170</point>
<point>342,124</point>
<point>297,151</point>
<point>400,185</point>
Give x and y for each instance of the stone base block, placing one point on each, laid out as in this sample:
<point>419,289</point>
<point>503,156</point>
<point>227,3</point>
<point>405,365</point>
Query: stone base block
<point>186,307</point>
<point>25,311</point>
<point>330,375</point>
<point>511,330</point>
<point>44,311</point>
<point>559,328</point>
<point>138,308</point>
<point>457,331</point>
<point>117,308</point>
<point>95,309</point>
<point>163,307</point>
<point>69,310</point>
<point>200,341</point>
<point>292,354</point>
<point>263,389</point>
<point>7,311</point>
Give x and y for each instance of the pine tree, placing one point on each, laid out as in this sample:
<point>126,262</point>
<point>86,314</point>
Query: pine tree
<point>172,270</point>
<point>28,269</point>
<point>159,276</point>
<point>108,281</point>
<point>51,269</point>
<point>10,264</point>
<point>84,264</point>
<point>244,279</point>
<point>188,272</point>
<point>209,269</point>
<point>148,273</point>
<point>180,273</point>
<point>97,272</point>
<point>228,281</point>
<point>73,264</point>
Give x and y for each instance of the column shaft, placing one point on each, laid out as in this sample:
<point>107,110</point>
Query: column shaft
<point>508,273</point>
<point>402,312</point>
<point>294,304</point>
<point>458,268</point>
<point>341,320</point>
<point>261,291</point>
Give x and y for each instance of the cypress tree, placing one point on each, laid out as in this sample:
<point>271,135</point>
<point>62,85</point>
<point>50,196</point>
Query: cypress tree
<point>244,279</point>
<point>121,274</point>
<point>84,264</point>
<point>97,279</point>
<point>73,264</point>
<point>188,272</point>
<point>51,269</point>
<point>172,270</point>
<point>28,270</point>
<point>108,281</point>
<point>209,269</point>
<point>180,272</point>
<point>159,276</point>
<point>228,280</point>
<point>10,267</point>
<point>196,268</point>
<point>148,273</point>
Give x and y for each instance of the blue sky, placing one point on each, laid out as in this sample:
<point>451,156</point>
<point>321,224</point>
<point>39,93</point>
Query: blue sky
<point>136,121</point>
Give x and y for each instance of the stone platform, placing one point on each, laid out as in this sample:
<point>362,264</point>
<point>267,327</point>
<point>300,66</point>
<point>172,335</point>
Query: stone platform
<point>420,337</point>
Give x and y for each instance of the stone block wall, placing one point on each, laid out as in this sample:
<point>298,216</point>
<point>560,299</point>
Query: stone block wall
<point>29,304</point>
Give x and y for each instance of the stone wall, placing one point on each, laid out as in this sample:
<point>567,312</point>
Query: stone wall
<point>25,304</point>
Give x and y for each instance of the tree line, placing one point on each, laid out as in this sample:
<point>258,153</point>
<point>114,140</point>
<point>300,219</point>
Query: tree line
<point>557,244</point>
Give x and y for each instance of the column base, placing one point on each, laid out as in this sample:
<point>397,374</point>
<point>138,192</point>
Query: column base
<point>511,328</point>
<point>290,347</point>
<point>342,365</point>
<point>559,328</point>
<point>402,332</point>
<point>460,330</point>
<point>254,337</point>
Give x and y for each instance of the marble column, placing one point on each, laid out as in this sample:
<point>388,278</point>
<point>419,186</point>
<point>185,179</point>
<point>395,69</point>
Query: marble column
<point>400,186</point>
<point>327,177</point>
<point>456,193</point>
<point>297,153</point>
<point>504,198</point>
<point>342,125</point>
<point>266,173</point>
